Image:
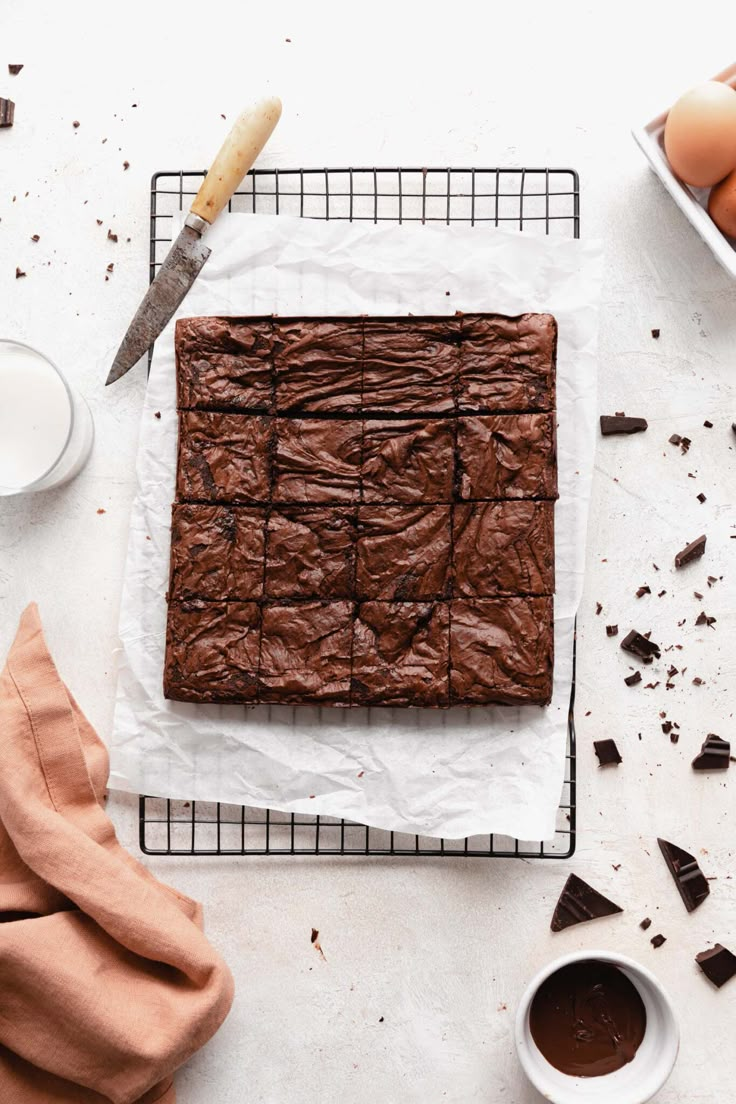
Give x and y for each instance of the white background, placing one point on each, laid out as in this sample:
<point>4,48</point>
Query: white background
<point>441,951</point>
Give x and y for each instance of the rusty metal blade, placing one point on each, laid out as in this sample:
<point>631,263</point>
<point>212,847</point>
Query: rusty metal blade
<point>180,269</point>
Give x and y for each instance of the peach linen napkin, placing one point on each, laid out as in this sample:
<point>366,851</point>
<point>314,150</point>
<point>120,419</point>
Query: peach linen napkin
<point>107,983</point>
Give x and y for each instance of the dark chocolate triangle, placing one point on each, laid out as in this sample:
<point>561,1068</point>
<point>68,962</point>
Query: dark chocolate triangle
<point>718,964</point>
<point>578,903</point>
<point>689,878</point>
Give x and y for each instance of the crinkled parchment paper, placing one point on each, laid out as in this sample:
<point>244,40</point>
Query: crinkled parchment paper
<point>445,773</point>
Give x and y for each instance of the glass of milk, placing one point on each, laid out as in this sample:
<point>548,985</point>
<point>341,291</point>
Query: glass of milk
<point>46,429</point>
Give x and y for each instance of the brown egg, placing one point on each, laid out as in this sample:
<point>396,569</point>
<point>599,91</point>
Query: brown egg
<point>700,134</point>
<point>722,205</point>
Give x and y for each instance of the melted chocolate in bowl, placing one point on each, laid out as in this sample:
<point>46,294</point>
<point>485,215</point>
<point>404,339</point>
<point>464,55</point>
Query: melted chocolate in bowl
<point>587,1019</point>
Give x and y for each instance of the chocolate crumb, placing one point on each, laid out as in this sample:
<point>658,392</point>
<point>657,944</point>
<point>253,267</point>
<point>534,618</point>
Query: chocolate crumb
<point>698,595</point>
<point>685,444</point>
<point>126,165</point>
<point>707,424</point>
<point>75,124</point>
<point>157,414</point>
<point>642,591</point>
<point>99,222</point>
<point>690,552</point>
<point>598,608</point>
<point>611,630</point>
<point>646,923</point>
<point>640,646</point>
<point>697,681</point>
<point>19,273</point>
<point>661,593</point>
<point>111,237</point>
<point>110,267</point>
<point>101,510</point>
<point>380,1018</point>
<point>657,941</point>
<point>674,737</point>
<point>667,727</point>
<point>652,685</point>
<point>14,70</point>
<point>35,237</point>
<point>701,497</point>
<point>655,334</point>
<point>712,580</point>
<point>715,754</point>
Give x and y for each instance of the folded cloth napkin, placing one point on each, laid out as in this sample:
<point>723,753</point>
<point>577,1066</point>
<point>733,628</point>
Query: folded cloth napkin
<point>107,983</point>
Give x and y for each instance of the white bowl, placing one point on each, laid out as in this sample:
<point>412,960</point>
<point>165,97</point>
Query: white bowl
<point>635,1082</point>
<point>691,201</point>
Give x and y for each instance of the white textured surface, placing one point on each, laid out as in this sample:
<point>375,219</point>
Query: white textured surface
<point>438,950</point>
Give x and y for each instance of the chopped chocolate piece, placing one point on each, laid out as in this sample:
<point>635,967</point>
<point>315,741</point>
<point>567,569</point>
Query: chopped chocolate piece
<point>712,580</point>
<point>701,498</point>
<point>611,630</point>
<point>685,444</point>
<point>671,672</point>
<point>75,124</point>
<point>713,755</point>
<point>690,552</point>
<point>598,608</point>
<point>110,267</point>
<point>401,653</point>
<point>704,619</point>
<point>7,112</point>
<point>661,593</point>
<point>607,753</point>
<point>507,363</point>
<point>310,552</point>
<point>305,652</point>
<point>407,461</point>
<point>14,70</point>
<point>578,903</point>
<point>642,591</point>
<point>657,940</point>
<point>640,646</point>
<point>675,439</point>
<point>503,548</point>
<point>674,737</point>
<point>507,456</point>
<point>707,424</point>
<point>126,165</point>
<point>616,424</point>
<point>317,460</point>
<point>689,878</point>
<point>631,680</point>
<point>645,923</point>
<point>698,595</point>
<point>718,964</point>
<point>19,273</point>
<point>655,334</point>
<point>403,552</point>
<point>501,650</point>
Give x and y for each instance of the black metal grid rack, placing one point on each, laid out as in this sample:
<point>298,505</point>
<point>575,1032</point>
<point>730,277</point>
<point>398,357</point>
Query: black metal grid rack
<point>533,200</point>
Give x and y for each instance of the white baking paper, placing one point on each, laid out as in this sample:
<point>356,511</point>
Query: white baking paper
<point>448,773</point>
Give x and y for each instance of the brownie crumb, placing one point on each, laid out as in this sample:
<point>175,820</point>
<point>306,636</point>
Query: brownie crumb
<point>157,414</point>
<point>655,334</point>
<point>642,591</point>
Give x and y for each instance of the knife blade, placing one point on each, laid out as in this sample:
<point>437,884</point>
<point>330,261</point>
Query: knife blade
<point>188,254</point>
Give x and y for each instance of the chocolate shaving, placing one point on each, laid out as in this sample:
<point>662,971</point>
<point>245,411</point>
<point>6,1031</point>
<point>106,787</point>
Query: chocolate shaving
<point>718,964</point>
<point>611,630</point>
<point>713,755</point>
<point>631,680</point>
<point>674,737</point>
<point>617,423</point>
<point>689,878</point>
<point>579,903</point>
<point>640,646</point>
<point>7,112</point>
<point>607,752</point>
<point>690,552</point>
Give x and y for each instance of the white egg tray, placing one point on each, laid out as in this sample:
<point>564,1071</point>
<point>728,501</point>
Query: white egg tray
<point>691,201</point>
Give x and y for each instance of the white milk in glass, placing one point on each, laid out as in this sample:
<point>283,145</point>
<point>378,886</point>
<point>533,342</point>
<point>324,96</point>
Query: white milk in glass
<point>45,429</point>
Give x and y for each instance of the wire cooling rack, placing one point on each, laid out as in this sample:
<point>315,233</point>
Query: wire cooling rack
<point>533,200</point>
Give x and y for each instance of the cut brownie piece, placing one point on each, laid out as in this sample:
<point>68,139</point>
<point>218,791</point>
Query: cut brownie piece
<point>507,456</point>
<point>503,548</point>
<point>305,652</point>
<point>318,365</point>
<point>310,553</point>
<point>401,653</point>
<point>501,651</point>
<point>403,552</point>
<point>212,651</point>
<point>507,363</point>
<point>408,461</point>
<point>223,457</point>
<point>224,362</point>
<point>217,552</point>
<point>317,460</point>
<point>410,365</point>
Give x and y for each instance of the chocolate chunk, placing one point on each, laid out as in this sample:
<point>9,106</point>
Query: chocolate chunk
<point>631,680</point>
<point>598,609</point>
<point>713,755</point>
<point>19,273</point>
<point>675,439</point>
<point>689,878</point>
<point>698,681</point>
<point>607,752</point>
<point>611,630</point>
<point>14,70</point>
<point>707,424</point>
<point>657,941</point>
<point>667,727</point>
<point>640,646</point>
<point>35,237</point>
<point>642,591</point>
<point>646,923</point>
<point>111,237</point>
<point>613,424</point>
<point>579,903</point>
<point>701,498</point>
<point>704,619</point>
<point>7,113</point>
<point>655,334</point>
<point>674,737</point>
<point>718,964</point>
<point>698,595</point>
<point>685,444</point>
<point>690,552</point>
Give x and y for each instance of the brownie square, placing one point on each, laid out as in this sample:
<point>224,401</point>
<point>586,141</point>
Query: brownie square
<point>408,461</point>
<point>410,365</point>
<point>310,553</point>
<point>318,365</point>
<point>507,456</point>
<point>317,460</point>
<point>223,457</point>
<point>507,363</point>
<point>403,552</point>
<point>401,653</point>
<point>503,548</point>
<point>305,652</point>
<point>212,651</point>
<point>224,362</point>
<point>501,651</point>
<point>217,552</point>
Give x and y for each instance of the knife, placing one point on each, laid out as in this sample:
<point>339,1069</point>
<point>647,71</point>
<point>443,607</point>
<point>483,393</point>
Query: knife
<point>185,259</point>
